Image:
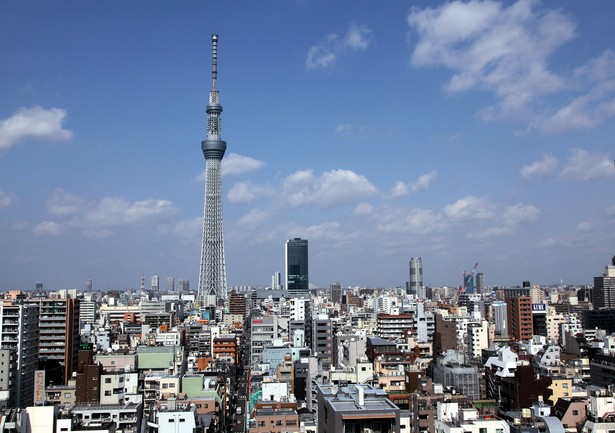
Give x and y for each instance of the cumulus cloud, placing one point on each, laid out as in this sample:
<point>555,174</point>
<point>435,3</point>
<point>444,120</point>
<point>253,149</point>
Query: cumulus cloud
<point>62,203</point>
<point>584,227</point>
<point>6,199</point>
<point>97,219</point>
<point>545,166</point>
<point>413,221</point>
<point>237,164</point>
<point>324,54</point>
<point>34,122</point>
<point>188,230</point>
<point>253,218</point>
<point>401,189</point>
<point>116,211</point>
<point>234,164</point>
<point>470,207</point>
<point>492,45</point>
<point>520,212</point>
<point>508,217</point>
<point>48,228</point>
<point>596,103</point>
<point>332,188</point>
<point>246,192</point>
<point>585,166</point>
<point>363,209</point>
<point>323,231</point>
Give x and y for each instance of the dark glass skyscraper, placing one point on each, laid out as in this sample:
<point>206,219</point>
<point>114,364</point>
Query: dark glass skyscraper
<point>297,282</point>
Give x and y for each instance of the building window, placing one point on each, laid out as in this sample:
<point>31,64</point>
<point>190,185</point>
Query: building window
<point>575,412</point>
<point>107,380</point>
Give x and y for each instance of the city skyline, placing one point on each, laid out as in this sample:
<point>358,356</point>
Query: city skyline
<point>458,132</point>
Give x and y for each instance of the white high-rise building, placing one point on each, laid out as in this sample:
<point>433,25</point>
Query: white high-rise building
<point>415,285</point>
<point>155,282</point>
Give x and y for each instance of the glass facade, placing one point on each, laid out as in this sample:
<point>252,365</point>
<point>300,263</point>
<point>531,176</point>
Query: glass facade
<point>297,282</point>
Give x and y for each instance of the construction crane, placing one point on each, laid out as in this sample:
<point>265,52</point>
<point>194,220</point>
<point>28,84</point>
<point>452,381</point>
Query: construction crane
<point>468,279</point>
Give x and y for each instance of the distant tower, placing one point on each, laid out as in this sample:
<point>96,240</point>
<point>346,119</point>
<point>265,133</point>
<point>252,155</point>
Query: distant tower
<point>297,281</point>
<point>480,283</point>
<point>416,277</point>
<point>170,284</point>
<point>142,283</point>
<point>155,283</point>
<point>88,286</point>
<point>212,278</point>
<point>276,281</point>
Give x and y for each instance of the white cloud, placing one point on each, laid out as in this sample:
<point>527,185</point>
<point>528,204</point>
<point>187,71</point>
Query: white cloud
<point>493,46</point>
<point>188,230</point>
<point>62,203</point>
<point>234,164</point>
<point>48,228</point>
<point>357,37</point>
<point>363,209</point>
<point>401,189</point>
<point>323,231</point>
<point>596,103</point>
<point>511,217</point>
<point>246,192</point>
<point>539,168</point>
<point>490,233</point>
<point>584,227</point>
<point>332,188</point>
<point>253,218</point>
<point>97,219</point>
<point>115,212</point>
<point>520,212</point>
<point>414,221</point>
<point>6,199</point>
<point>424,181</point>
<point>324,54</point>
<point>585,166</point>
<point>237,164</point>
<point>343,127</point>
<point>33,122</point>
<point>469,207</point>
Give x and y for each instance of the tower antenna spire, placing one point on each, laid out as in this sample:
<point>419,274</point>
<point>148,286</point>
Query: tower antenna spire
<point>214,60</point>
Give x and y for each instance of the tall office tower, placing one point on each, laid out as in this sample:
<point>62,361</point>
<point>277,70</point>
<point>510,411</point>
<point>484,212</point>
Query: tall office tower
<point>88,286</point>
<point>604,288</point>
<point>155,282</point>
<point>170,284</point>
<point>297,282</point>
<point>480,283</point>
<point>59,335</point>
<point>416,277</point>
<point>19,332</point>
<point>519,318</point>
<point>336,293</point>
<point>184,285</point>
<point>212,278</point>
<point>276,281</point>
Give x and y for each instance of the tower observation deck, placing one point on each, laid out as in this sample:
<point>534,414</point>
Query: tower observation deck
<point>212,276</point>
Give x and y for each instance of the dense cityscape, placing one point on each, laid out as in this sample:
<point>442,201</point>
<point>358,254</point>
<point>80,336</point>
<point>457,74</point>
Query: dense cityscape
<point>289,358</point>
<point>174,355</point>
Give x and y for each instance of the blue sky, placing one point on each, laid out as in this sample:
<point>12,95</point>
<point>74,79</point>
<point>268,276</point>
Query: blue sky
<point>460,132</point>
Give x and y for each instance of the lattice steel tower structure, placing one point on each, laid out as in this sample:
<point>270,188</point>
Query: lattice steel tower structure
<point>212,278</point>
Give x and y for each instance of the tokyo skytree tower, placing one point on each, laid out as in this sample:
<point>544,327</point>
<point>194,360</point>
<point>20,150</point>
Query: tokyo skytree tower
<point>212,278</point>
